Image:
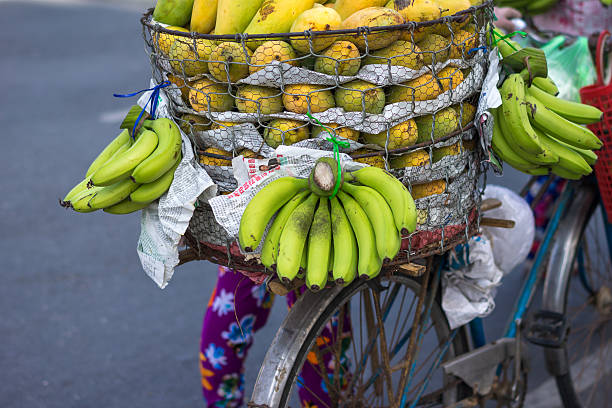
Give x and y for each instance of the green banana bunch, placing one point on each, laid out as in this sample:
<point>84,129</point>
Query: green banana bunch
<point>130,174</point>
<point>530,116</point>
<point>322,237</point>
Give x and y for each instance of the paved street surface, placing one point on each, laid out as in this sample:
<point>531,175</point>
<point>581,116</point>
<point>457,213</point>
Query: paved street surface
<point>83,326</point>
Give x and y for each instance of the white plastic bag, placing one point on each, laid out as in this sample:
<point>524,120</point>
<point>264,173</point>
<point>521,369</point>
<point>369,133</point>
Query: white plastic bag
<point>510,245</point>
<point>468,288</point>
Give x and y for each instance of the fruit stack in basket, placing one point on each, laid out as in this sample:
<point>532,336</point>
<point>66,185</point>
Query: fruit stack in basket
<point>383,92</point>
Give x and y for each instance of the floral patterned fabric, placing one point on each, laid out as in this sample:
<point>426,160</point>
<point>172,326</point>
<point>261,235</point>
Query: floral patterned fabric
<point>237,309</point>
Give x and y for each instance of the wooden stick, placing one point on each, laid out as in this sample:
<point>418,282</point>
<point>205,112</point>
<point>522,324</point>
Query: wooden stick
<point>497,223</point>
<point>490,204</point>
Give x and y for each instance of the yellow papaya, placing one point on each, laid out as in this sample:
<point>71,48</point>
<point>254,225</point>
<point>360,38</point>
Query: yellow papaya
<point>276,16</point>
<point>203,16</point>
<point>233,16</point>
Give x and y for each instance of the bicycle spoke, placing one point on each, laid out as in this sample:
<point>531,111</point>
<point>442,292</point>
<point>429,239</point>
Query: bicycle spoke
<point>313,393</point>
<point>407,318</point>
<point>383,346</point>
<point>410,351</point>
<point>399,313</point>
<point>422,320</point>
<point>434,367</point>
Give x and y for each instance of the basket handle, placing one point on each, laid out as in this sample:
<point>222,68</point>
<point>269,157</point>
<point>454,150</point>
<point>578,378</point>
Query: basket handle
<point>599,61</point>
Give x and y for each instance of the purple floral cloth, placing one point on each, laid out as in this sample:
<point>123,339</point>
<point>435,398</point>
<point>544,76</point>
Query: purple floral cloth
<point>237,309</point>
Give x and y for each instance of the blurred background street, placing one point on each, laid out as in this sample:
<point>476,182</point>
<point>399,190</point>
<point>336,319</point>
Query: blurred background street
<point>83,326</point>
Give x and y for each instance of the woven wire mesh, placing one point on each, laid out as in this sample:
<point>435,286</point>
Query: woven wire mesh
<point>403,96</point>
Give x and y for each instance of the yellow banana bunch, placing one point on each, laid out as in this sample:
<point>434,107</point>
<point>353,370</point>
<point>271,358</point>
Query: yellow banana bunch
<point>332,227</point>
<point>130,174</point>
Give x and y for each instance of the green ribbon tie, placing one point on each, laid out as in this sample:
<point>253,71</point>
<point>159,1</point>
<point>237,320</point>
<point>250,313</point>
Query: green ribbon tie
<point>497,38</point>
<point>337,145</point>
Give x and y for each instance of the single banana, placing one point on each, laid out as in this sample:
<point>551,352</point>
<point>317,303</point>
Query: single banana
<point>108,151</point>
<point>588,155</point>
<point>330,264</point>
<point>263,206</point>
<point>538,171</point>
<point>82,186</point>
<point>149,192</point>
<point>369,261</point>
<point>293,239</point>
<point>501,147</point>
<point>303,262</point>
<point>513,113</point>
<point>568,158</point>
<point>574,112</point>
<point>269,250</point>
<point>544,84</point>
<point>85,183</point>
<point>125,207</point>
<point>113,194</point>
<point>394,192</point>
<point>345,257</point>
<point>546,157</point>
<point>164,156</point>
<point>549,122</point>
<point>388,240</point>
<point>319,247</point>
<point>547,85</point>
<point>80,202</point>
<point>565,173</point>
<point>122,165</point>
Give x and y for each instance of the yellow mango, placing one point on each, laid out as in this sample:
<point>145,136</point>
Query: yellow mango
<point>276,16</point>
<point>423,88</point>
<point>347,7</point>
<point>428,189</point>
<point>412,159</point>
<point>374,161</point>
<point>315,19</point>
<point>373,17</point>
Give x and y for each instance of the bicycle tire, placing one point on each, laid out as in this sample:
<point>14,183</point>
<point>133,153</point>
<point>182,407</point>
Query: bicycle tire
<point>564,249</point>
<point>282,364</point>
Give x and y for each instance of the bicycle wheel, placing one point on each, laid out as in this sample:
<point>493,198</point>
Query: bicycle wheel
<point>579,285</point>
<point>364,366</point>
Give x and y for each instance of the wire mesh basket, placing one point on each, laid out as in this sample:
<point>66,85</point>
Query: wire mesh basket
<point>403,96</point>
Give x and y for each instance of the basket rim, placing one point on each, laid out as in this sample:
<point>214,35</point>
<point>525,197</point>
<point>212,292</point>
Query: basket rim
<point>146,21</point>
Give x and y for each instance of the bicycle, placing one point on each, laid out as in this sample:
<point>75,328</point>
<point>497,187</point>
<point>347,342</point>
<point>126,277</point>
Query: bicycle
<point>463,369</point>
<point>462,373</point>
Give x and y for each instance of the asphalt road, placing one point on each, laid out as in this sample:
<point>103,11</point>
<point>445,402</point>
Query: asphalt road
<point>83,326</point>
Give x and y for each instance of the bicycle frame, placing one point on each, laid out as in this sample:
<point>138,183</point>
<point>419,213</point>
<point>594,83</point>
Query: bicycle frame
<point>536,271</point>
